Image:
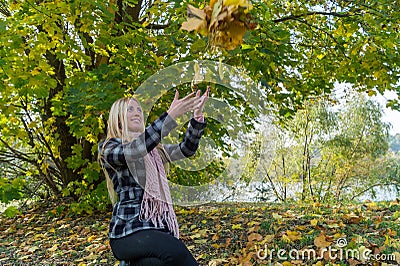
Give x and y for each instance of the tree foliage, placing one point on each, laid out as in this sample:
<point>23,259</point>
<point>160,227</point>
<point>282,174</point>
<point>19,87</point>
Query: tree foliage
<point>62,64</point>
<point>332,155</point>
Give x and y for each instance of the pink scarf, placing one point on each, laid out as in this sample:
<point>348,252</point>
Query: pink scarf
<point>157,201</point>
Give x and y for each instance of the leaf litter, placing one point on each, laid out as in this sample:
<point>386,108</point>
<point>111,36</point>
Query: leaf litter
<point>216,234</point>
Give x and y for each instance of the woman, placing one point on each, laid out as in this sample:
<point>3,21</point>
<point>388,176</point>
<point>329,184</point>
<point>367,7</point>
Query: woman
<point>143,228</point>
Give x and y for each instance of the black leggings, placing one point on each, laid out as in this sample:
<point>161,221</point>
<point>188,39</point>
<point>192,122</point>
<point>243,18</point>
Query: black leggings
<point>152,247</point>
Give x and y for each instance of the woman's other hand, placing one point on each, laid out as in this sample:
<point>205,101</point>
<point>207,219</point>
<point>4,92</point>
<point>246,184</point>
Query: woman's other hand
<point>181,106</point>
<point>198,110</point>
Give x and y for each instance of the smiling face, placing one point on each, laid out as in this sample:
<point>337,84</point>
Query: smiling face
<point>134,117</point>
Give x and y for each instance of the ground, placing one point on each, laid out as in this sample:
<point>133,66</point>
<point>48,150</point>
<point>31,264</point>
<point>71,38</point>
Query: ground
<point>218,234</point>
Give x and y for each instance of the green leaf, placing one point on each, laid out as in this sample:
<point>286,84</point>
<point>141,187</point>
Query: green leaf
<point>11,212</point>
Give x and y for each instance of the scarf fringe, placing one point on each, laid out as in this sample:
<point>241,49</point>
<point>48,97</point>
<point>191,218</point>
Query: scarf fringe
<point>155,210</point>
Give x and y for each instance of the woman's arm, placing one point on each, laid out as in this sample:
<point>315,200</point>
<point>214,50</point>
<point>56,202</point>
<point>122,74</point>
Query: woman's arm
<point>190,143</point>
<point>118,154</point>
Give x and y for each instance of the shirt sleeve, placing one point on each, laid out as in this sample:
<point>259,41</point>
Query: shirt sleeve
<point>190,143</point>
<point>117,154</point>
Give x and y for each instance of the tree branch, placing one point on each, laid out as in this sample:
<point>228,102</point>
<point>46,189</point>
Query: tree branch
<point>334,14</point>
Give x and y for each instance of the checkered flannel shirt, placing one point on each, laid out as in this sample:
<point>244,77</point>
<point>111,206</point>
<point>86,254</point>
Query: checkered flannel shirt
<point>129,183</point>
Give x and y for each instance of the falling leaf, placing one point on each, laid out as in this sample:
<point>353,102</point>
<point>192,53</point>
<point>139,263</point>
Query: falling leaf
<point>193,24</point>
<point>224,21</point>
<point>196,12</point>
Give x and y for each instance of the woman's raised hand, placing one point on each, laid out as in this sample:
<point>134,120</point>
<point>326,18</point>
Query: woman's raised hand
<point>198,110</point>
<point>181,106</point>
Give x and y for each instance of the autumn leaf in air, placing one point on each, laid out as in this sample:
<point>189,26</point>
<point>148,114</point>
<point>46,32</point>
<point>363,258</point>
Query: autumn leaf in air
<point>223,21</point>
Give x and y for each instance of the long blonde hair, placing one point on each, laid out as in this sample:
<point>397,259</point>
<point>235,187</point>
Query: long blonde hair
<point>117,128</point>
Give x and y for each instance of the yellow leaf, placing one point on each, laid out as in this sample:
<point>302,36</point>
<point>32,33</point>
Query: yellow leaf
<point>202,256</point>
<point>237,226</point>
<point>242,3</point>
<point>216,262</point>
<point>397,256</point>
<point>194,24</point>
<point>195,236</point>
<point>314,222</point>
<point>90,238</point>
<point>293,235</point>
<point>38,236</point>
<point>387,240</point>
<point>276,216</point>
<point>301,227</point>
<point>53,248</point>
<point>33,249</point>
<point>268,239</point>
<point>320,241</point>
<point>286,239</point>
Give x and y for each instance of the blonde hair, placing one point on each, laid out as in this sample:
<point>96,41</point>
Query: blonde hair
<point>117,128</point>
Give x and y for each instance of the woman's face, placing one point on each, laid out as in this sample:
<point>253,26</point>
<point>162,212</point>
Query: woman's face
<point>134,117</point>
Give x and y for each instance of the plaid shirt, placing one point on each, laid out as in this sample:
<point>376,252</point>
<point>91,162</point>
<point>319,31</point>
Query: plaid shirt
<point>129,184</point>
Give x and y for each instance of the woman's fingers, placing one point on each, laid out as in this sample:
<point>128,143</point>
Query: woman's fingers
<point>176,95</point>
<point>188,96</point>
<point>192,102</point>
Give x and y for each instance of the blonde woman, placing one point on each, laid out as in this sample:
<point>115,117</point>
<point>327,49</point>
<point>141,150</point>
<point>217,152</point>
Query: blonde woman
<point>143,228</point>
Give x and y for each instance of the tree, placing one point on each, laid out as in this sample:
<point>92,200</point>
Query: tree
<point>332,155</point>
<point>395,142</point>
<point>63,64</point>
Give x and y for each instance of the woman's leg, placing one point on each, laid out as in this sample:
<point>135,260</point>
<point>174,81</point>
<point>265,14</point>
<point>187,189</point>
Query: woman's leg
<point>152,244</point>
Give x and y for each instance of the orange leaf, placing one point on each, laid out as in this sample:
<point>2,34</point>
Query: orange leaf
<point>212,3</point>
<point>194,24</point>
<point>254,236</point>
<point>227,242</point>
<point>195,12</point>
<point>320,241</point>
